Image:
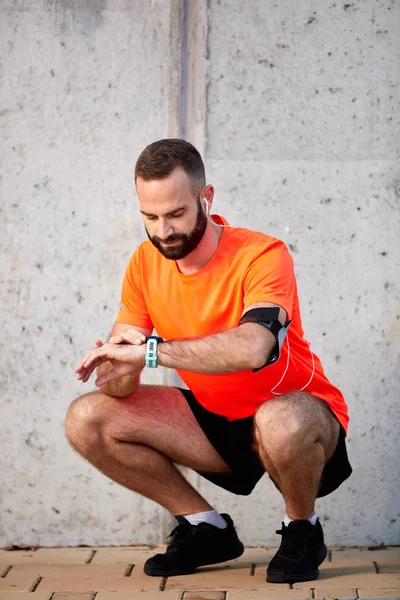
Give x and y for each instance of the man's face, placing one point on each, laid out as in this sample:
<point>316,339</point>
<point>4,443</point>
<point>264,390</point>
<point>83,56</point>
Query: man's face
<point>174,220</point>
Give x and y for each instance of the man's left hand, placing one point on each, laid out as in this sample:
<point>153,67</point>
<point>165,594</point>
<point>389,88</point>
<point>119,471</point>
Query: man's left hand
<point>131,336</point>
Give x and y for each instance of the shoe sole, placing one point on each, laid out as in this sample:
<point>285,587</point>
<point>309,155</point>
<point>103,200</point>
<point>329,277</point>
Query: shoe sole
<point>154,572</point>
<point>281,577</point>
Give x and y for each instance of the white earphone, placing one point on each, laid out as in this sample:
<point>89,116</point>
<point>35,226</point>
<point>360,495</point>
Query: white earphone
<point>208,215</point>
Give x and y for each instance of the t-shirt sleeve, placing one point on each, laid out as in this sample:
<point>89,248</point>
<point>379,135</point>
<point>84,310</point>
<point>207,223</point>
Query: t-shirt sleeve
<point>133,309</point>
<point>270,278</point>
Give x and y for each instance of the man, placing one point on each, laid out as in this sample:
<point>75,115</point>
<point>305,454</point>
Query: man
<point>224,302</point>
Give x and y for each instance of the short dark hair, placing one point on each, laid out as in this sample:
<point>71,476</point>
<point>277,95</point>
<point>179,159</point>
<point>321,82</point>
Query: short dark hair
<point>160,158</point>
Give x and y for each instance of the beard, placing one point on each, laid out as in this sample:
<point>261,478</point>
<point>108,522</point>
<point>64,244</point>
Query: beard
<point>187,242</point>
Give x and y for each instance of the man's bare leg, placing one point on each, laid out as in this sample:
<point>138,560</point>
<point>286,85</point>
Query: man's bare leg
<point>296,435</point>
<point>135,441</point>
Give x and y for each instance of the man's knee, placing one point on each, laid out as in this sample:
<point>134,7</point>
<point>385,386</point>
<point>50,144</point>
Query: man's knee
<point>83,421</point>
<point>292,422</point>
<point>279,421</point>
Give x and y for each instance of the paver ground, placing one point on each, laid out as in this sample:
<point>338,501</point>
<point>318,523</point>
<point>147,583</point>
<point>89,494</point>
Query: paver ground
<point>117,574</point>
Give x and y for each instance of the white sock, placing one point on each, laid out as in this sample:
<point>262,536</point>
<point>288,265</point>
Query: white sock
<point>211,516</point>
<point>288,520</point>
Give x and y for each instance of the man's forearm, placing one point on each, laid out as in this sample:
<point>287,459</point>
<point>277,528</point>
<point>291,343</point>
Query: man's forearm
<point>121,387</point>
<point>243,348</point>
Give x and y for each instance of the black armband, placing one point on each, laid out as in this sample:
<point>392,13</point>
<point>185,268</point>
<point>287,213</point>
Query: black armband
<point>268,317</point>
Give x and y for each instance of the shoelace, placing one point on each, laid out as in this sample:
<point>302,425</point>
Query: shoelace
<point>179,535</point>
<point>294,539</point>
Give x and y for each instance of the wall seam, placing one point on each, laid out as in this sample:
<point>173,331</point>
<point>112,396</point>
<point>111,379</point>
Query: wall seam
<point>188,93</point>
<point>183,70</point>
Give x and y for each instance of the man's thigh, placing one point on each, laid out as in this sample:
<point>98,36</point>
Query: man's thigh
<point>307,415</point>
<point>159,417</point>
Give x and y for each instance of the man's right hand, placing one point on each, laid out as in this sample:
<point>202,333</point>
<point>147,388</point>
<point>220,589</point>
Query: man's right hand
<point>125,360</point>
<point>124,385</point>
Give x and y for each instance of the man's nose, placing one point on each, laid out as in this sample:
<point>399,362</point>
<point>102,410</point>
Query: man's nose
<point>164,229</point>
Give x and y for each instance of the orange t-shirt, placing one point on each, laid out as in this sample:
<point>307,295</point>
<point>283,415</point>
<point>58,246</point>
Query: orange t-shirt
<point>247,267</point>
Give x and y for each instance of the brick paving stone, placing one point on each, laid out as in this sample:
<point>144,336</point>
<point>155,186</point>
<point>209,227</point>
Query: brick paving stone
<point>78,578</point>
<point>347,567</point>
<point>46,556</point>
<point>100,584</point>
<point>367,566</point>
<point>343,593</point>
<point>375,594</point>
<point>391,552</point>
<point>217,578</point>
<point>18,582</point>
<point>24,596</point>
<point>139,547</point>
<point>255,556</point>
<point>125,555</point>
<point>132,595</point>
<point>352,579</point>
<point>70,596</point>
<point>76,571</point>
<point>388,567</point>
<point>331,571</point>
<point>204,596</point>
<point>269,594</point>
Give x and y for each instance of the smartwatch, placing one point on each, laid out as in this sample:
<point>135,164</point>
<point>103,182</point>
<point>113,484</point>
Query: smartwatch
<point>152,342</point>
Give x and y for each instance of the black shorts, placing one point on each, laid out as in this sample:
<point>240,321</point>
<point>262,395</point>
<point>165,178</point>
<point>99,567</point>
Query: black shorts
<point>233,440</point>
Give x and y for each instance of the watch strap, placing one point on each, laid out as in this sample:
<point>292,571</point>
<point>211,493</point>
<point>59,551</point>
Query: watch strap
<point>152,342</point>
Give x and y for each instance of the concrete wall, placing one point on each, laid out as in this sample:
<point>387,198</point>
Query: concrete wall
<point>295,107</point>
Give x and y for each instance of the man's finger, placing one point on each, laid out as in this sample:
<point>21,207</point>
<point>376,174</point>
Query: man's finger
<point>79,370</point>
<point>131,338</point>
<point>136,333</point>
<point>90,369</point>
<point>96,356</point>
<point>116,339</point>
<point>83,361</point>
<point>79,367</point>
<point>92,360</point>
<point>81,375</point>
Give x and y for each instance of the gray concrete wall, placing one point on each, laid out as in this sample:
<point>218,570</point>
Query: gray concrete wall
<point>296,109</point>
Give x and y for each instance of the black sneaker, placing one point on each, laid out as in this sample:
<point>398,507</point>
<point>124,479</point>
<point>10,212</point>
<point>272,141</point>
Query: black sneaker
<point>193,546</point>
<point>301,551</point>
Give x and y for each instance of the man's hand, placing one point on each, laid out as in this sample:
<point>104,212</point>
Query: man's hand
<point>123,353</point>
